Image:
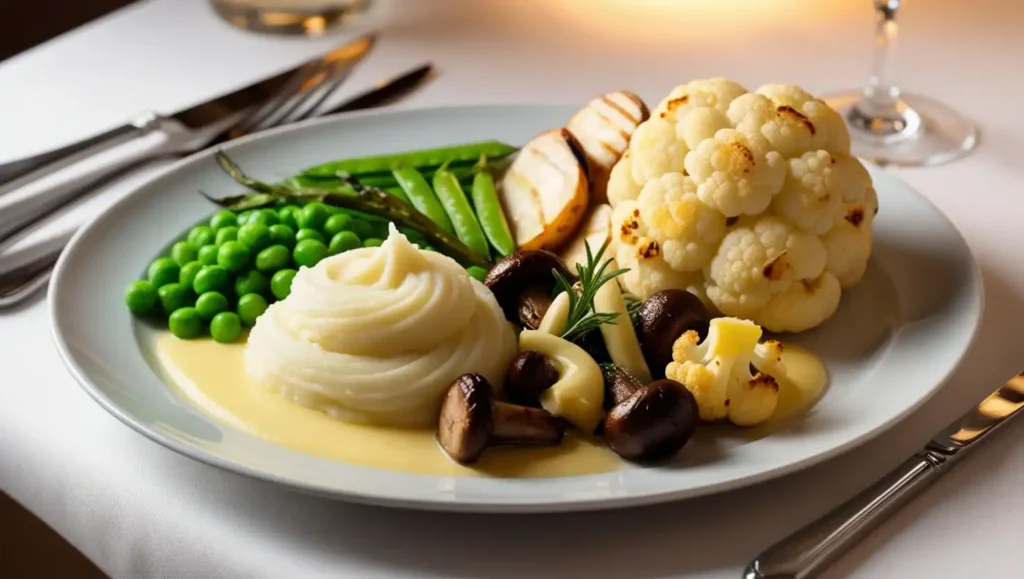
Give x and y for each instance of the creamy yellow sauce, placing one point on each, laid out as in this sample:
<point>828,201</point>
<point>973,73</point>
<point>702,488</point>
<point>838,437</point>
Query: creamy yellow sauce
<point>212,377</point>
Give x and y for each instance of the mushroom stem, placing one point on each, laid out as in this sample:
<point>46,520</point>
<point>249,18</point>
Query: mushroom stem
<point>533,304</point>
<point>619,385</point>
<point>521,425</point>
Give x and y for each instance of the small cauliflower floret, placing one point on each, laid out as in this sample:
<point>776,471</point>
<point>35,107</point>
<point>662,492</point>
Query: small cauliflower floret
<point>830,132</point>
<point>806,199</point>
<point>848,243</point>
<point>641,255</point>
<point>688,230</point>
<point>699,124</point>
<point>802,306</point>
<point>751,265</point>
<point>715,92</point>
<point>849,179</point>
<point>788,130</point>
<point>621,186</point>
<point>736,173</point>
<point>718,371</point>
<point>655,150</point>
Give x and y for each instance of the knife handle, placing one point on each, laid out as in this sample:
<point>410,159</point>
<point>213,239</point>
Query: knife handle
<point>807,552</point>
<point>61,180</point>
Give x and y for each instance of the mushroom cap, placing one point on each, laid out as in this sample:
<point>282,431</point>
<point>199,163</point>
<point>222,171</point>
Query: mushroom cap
<point>467,418</point>
<point>523,269</point>
<point>619,385</point>
<point>529,374</point>
<point>662,318</point>
<point>652,424</point>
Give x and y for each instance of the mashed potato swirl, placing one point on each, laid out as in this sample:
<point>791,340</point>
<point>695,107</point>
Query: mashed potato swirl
<point>376,335</point>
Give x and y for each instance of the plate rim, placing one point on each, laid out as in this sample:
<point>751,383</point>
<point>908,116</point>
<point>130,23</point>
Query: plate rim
<point>447,504</point>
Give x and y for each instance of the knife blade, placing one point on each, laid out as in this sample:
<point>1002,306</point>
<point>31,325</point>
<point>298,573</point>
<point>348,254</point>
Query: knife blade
<point>386,91</point>
<point>807,552</point>
<point>214,110</point>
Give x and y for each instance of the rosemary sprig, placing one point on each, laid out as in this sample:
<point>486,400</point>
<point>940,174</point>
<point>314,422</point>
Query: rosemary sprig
<point>354,196</point>
<point>582,317</point>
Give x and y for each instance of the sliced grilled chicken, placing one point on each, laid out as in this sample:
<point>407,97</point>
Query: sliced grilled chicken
<point>603,129</point>
<point>544,191</point>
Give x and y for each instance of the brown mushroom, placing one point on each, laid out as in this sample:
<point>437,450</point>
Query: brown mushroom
<point>529,374</point>
<point>523,283</point>
<point>662,318</point>
<point>471,420</point>
<point>619,385</point>
<point>652,423</point>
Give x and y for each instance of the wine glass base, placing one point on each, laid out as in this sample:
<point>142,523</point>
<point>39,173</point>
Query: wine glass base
<point>302,22</point>
<point>927,132</point>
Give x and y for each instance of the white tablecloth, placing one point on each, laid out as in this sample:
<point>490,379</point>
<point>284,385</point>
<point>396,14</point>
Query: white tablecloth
<point>139,510</point>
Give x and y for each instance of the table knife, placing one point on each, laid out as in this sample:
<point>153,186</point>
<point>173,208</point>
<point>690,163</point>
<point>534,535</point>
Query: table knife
<point>807,552</point>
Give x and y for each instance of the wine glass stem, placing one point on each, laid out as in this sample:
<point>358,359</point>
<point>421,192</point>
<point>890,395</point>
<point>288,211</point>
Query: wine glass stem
<point>878,111</point>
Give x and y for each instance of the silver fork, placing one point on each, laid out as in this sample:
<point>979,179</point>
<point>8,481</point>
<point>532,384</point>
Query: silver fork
<point>30,198</point>
<point>24,207</point>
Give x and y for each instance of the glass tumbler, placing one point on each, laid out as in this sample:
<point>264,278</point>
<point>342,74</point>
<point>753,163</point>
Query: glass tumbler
<point>294,17</point>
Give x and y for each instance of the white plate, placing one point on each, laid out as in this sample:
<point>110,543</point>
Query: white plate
<point>894,341</point>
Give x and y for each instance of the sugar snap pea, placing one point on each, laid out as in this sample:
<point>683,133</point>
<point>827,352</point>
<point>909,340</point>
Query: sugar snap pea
<point>489,213</point>
<point>422,197</point>
<point>451,196</point>
<point>423,159</point>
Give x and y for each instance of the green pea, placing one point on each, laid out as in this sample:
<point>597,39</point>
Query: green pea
<point>254,235</point>
<point>335,224</point>
<point>226,234</point>
<point>140,297</point>
<point>210,304</point>
<point>287,216</point>
<point>250,307</point>
<point>185,323</point>
<point>362,228</point>
<point>251,282</point>
<point>212,278</point>
<point>373,242</point>
<point>476,272</point>
<point>233,256</point>
<point>184,252</point>
<point>223,218</point>
<point>188,273</point>
<point>266,217</point>
<point>225,327</point>
<point>343,241</point>
<point>174,296</point>
<point>312,216</point>
<point>309,252</point>
<point>208,254</point>
<point>201,235</point>
<point>163,271</point>
<point>245,216</point>
<point>305,234</point>
<point>281,283</point>
<point>273,258</point>
<point>282,235</point>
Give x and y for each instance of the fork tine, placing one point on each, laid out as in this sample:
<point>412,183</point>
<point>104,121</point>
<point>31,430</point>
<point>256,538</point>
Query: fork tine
<point>322,83</point>
<point>324,95</point>
<point>287,92</point>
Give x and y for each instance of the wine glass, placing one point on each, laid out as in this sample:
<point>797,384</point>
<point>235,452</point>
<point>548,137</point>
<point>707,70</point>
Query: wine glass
<point>889,126</point>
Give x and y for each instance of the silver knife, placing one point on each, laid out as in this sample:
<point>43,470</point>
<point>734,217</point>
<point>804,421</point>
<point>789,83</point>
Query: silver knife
<point>807,552</point>
<point>25,272</point>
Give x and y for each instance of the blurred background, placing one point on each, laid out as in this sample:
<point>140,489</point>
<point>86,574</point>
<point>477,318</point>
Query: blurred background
<point>18,34</point>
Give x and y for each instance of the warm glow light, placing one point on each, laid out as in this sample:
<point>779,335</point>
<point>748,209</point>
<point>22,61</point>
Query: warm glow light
<point>664,19</point>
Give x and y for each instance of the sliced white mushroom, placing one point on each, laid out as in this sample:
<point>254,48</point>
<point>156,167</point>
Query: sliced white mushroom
<point>596,230</point>
<point>554,319</point>
<point>603,129</point>
<point>620,338</point>
<point>544,191</point>
<point>578,395</point>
